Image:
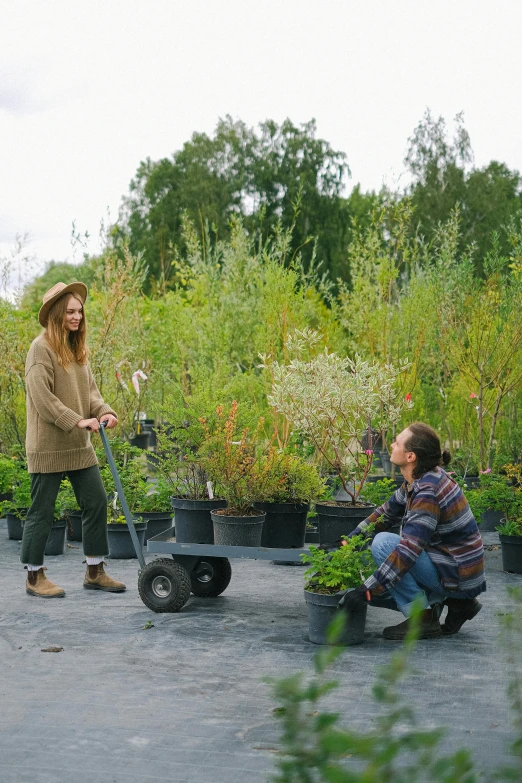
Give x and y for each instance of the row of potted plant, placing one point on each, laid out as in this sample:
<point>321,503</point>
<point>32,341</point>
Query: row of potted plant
<point>330,403</point>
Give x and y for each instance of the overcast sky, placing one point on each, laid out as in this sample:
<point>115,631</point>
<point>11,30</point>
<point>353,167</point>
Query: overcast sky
<point>89,89</point>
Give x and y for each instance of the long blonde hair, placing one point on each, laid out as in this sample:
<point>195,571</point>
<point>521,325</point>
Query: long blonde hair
<point>68,346</point>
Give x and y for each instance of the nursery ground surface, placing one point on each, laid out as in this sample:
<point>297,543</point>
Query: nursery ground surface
<point>185,700</point>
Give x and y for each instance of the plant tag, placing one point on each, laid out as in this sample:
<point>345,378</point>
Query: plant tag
<point>209,490</point>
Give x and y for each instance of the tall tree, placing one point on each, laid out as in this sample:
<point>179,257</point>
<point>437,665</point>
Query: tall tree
<point>443,177</point>
<point>282,173</point>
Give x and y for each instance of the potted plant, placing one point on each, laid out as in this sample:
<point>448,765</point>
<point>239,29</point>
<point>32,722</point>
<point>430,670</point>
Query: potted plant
<point>489,499</point>
<point>68,509</point>
<point>16,509</point>
<point>510,531</point>
<point>55,544</point>
<point>155,508</point>
<point>233,463</point>
<point>179,440</point>
<point>335,403</point>
<point>291,484</point>
<point>329,575</point>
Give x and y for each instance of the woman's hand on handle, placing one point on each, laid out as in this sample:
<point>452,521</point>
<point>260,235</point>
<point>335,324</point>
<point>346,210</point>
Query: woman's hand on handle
<point>110,419</point>
<point>89,424</point>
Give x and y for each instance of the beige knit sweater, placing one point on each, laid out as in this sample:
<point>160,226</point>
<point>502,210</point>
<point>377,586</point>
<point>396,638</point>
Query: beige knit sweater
<point>57,399</point>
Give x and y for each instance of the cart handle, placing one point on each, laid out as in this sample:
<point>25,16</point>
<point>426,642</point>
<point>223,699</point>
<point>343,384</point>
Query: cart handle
<point>121,494</point>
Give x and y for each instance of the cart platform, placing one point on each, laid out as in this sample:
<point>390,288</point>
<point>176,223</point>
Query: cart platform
<point>165,584</point>
<point>166,544</point>
<point>204,570</point>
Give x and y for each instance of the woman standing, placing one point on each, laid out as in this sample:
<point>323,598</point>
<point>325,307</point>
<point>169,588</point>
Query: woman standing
<point>63,404</point>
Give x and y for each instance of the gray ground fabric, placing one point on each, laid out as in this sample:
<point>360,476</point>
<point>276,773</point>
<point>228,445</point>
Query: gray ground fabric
<point>185,700</point>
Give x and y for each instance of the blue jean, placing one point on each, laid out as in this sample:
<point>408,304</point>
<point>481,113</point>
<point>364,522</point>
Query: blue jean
<point>421,581</point>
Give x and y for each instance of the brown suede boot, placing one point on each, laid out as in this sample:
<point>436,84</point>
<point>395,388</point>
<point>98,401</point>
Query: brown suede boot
<point>97,579</point>
<point>38,584</point>
<point>429,627</point>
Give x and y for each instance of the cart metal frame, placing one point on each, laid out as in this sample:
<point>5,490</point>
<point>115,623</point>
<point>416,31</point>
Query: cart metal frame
<point>165,584</point>
<point>202,569</point>
<point>166,544</point>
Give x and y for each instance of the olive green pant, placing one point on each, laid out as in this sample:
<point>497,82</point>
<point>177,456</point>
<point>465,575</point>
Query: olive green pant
<point>92,499</point>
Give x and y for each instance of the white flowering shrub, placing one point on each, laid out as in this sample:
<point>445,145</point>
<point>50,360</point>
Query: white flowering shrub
<point>333,400</point>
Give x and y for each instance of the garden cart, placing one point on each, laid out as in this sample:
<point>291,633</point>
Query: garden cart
<point>165,584</point>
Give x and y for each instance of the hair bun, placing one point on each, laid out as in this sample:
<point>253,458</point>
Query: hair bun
<point>446,457</point>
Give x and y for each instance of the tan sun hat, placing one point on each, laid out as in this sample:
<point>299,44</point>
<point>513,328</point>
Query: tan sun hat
<point>54,293</point>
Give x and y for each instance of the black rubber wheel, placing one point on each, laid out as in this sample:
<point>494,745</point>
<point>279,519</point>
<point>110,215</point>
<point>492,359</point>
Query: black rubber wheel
<point>210,577</point>
<point>164,586</point>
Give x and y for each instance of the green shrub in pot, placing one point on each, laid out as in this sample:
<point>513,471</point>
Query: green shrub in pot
<point>344,568</point>
<point>234,464</point>
<point>334,402</point>
<point>157,498</point>
<point>290,479</point>
<point>494,492</point>
<point>130,464</point>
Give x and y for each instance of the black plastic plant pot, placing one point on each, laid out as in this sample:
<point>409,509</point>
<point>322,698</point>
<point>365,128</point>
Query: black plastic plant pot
<point>74,526</point>
<point>121,546</point>
<point>56,539</point>
<point>141,440</point>
<point>511,553</point>
<point>15,523</point>
<point>157,522</point>
<point>237,531</point>
<point>5,496</point>
<point>322,609</point>
<point>490,520</point>
<point>312,535</point>
<point>285,524</point>
<point>192,520</point>
<point>147,427</point>
<point>335,521</point>
<point>385,462</point>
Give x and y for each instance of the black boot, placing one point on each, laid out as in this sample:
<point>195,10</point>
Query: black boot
<point>459,610</point>
<point>429,627</point>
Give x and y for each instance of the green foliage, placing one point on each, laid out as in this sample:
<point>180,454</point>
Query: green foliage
<point>232,461</point>
<point>157,497</point>
<point>290,479</point>
<point>489,197</point>
<point>8,470</point>
<point>391,749</point>
<point>117,518</point>
<point>511,527</point>
<point>279,175</point>
<point>378,492</point>
<point>21,489</point>
<point>17,332</point>
<point>131,470</point>
<point>227,285</point>
<point>180,438</point>
<point>333,400</point>
<point>345,568</point>
<point>495,492</point>
<point>66,502</point>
